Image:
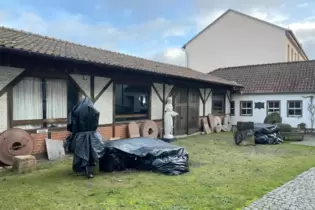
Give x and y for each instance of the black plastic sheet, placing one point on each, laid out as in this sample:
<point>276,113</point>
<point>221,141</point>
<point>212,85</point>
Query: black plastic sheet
<point>267,134</point>
<point>85,142</point>
<point>263,134</point>
<point>144,154</point>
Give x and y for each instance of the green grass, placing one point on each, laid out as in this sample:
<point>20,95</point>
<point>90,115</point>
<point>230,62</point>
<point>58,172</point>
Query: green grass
<point>222,176</point>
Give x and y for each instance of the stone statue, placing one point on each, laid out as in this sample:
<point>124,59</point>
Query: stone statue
<point>168,119</point>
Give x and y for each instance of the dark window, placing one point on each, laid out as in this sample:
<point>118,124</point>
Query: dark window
<point>218,102</point>
<point>273,106</point>
<point>232,107</point>
<point>246,108</point>
<point>295,108</point>
<point>131,102</point>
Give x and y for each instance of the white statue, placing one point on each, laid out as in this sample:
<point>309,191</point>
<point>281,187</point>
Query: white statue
<point>168,119</point>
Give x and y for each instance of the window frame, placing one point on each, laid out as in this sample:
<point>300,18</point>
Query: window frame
<point>273,101</point>
<point>133,116</point>
<point>301,103</point>
<point>246,115</point>
<point>232,102</point>
<point>288,53</point>
<point>218,95</point>
<point>44,121</point>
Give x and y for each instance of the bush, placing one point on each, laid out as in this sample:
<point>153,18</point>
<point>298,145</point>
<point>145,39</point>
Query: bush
<point>273,118</point>
<point>302,126</point>
<point>284,127</point>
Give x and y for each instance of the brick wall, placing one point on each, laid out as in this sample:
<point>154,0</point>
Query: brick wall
<point>106,132</point>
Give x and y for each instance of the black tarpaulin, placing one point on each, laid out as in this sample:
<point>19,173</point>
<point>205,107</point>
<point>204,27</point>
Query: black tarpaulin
<point>144,154</point>
<point>263,133</point>
<point>85,142</point>
<point>267,134</point>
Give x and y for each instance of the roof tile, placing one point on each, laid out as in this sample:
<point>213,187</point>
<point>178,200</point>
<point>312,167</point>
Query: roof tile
<point>288,77</point>
<point>10,38</point>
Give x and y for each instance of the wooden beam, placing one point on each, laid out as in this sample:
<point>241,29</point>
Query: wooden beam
<point>114,109</point>
<point>228,96</point>
<point>163,109</point>
<point>103,90</point>
<point>44,100</point>
<point>200,95</point>
<point>208,96</point>
<point>76,85</point>
<point>92,80</point>
<point>170,93</point>
<point>16,80</point>
<point>157,93</point>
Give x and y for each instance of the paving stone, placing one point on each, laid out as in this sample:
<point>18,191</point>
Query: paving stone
<point>297,194</point>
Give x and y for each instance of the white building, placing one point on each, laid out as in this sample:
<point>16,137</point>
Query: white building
<point>286,88</point>
<point>236,39</point>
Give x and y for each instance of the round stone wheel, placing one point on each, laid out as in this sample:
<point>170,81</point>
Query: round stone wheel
<point>218,124</point>
<point>227,124</point>
<point>149,129</point>
<point>15,142</point>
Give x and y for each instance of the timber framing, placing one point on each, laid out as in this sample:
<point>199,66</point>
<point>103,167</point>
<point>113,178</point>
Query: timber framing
<point>157,92</point>
<point>103,90</point>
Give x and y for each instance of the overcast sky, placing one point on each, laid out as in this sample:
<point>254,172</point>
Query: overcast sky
<point>146,28</point>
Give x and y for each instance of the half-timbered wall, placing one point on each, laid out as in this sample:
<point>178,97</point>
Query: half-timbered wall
<point>7,75</point>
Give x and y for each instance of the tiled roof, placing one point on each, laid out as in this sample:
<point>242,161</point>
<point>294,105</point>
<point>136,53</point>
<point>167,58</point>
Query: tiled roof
<point>29,42</point>
<point>293,77</point>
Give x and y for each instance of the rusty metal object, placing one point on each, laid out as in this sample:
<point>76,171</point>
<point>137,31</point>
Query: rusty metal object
<point>133,130</point>
<point>15,142</point>
<point>149,129</point>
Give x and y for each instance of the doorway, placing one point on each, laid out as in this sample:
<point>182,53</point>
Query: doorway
<point>186,104</point>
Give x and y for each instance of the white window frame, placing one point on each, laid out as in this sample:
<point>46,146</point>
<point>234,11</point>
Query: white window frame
<point>246,108</point>
<point>278,110</point>
<point>294,108</point>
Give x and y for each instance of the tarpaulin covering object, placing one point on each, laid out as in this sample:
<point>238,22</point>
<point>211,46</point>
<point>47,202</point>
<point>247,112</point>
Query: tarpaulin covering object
<point>263,134</point>
<point>267,134</point>
<point>85,142</point>
<point>145,154</point>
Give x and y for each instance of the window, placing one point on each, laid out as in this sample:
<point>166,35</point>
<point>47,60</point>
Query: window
<point>232,107</point>
<point>295,58</point>
<point>288,54</point>
<point>131,102</point>
<point>218,102</point>
<point>40,103</point>
<point>246,108</point>
<point>291,54</point>
<point>294,108</point>
<point>273,106</point>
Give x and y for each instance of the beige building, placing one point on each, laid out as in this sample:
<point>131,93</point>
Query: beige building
<point>237,39</point>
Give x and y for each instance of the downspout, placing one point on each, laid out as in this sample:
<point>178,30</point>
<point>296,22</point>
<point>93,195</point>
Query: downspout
<point>186,56</point>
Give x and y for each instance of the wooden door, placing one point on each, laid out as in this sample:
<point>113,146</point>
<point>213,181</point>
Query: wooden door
<point>180,106</point>
<point>193,110</point>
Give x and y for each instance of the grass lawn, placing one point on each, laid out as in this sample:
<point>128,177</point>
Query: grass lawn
<point>222,176</point>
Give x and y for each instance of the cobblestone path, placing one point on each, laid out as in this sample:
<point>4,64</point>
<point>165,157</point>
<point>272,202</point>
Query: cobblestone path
<point>298,194</point>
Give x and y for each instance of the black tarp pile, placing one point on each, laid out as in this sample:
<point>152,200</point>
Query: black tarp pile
<point>267,134</point>
<point>89,147</point>
<point>85,142</point>
<point>145,154</point>
<point>262,133</point>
